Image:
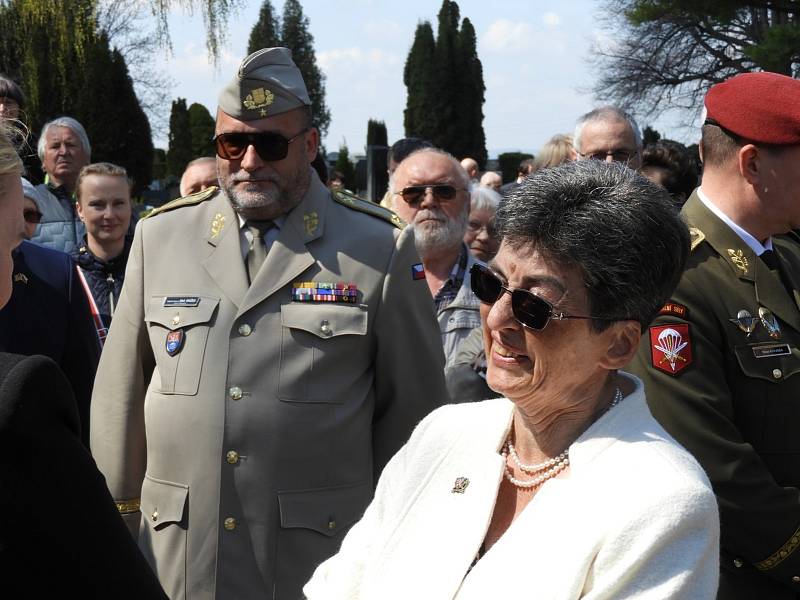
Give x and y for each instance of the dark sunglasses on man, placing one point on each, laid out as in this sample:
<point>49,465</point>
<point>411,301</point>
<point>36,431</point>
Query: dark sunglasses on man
<point>270,146</point>
<point>31,216</point>
<point>528,308</point>
<point>414,194</point>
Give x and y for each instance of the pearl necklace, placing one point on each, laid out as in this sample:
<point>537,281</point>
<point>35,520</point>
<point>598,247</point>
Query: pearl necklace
<point>551,467</point>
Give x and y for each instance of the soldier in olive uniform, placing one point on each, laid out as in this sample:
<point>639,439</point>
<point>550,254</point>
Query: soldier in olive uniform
<point>721,363</point>
<point>271,350</point>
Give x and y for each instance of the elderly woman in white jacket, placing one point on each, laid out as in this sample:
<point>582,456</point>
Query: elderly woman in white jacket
<point>566,488</point>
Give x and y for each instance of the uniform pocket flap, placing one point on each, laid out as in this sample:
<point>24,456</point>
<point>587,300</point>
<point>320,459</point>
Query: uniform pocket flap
<point>772,361</point>
<point>163,502</point>
<point>191,310</point>
<point>462,320</point>
<point>324,320</point>
<point>324,510</point>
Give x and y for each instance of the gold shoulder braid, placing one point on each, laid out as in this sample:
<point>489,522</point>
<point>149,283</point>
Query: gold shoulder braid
<point>189,200</point>
<point>370,208</point>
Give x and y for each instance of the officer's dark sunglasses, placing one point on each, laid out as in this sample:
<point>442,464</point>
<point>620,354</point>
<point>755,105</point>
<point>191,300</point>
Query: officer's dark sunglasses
<point>414,194</point>
<point>528,308</point>
<point>270,146</point>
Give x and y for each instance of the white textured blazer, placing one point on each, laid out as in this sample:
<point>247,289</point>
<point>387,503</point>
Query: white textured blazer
<point>635,517</point>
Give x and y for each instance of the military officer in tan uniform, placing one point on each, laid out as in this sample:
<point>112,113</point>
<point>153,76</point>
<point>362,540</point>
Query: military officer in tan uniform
<point>721,364</point>
<point>271,350</point>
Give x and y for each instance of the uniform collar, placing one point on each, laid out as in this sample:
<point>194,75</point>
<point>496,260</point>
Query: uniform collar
<point>757,247</point>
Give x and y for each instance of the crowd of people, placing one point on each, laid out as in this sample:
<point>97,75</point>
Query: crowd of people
<point>586,376</point>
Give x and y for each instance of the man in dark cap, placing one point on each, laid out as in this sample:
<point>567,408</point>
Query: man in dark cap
<point>270,352</point>
<point>721,362</point>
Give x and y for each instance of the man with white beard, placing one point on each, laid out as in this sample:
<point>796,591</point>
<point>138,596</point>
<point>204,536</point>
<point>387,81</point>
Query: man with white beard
<point>432,194</point>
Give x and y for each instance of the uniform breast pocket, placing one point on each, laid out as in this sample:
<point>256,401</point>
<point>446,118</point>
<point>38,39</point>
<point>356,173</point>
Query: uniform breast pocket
<point>322,345</point>
<point>178,336</point>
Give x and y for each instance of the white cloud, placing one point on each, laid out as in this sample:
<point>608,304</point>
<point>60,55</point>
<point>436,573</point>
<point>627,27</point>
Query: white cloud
<point>345,59</point>
<point>505,36</point>
<point>551,19</point>
<point>384,30</point>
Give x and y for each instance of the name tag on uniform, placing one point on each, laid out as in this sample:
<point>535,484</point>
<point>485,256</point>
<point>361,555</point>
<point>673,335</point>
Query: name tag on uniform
<point>768,350</point>
<point>181,301</point>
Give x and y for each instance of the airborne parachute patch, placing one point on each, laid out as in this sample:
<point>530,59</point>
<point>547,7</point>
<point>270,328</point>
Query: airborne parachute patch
<point>671,347</point>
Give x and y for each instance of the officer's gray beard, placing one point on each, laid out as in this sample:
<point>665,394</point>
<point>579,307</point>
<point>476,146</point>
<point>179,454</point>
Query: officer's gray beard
<point>433,239</point>
<point>255,202</point>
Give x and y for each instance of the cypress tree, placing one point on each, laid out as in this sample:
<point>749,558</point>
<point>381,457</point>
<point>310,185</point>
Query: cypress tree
<point>179,150</point>
<point>296,36</point>
<point>265,32</point>
<point>419,117</point>
<point>470,97</point>
<point>201,131</point>
<point>376,133</point>
<point>346,167</point>
<point>447,57</point>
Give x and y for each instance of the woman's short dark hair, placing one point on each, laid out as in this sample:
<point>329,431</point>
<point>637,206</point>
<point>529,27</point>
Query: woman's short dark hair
<point>621,230</point>
<point>677,164</point>
<point>10,89</point>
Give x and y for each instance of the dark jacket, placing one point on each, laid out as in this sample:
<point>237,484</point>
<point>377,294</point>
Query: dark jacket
<point>61,535</point>
<point>103,277</point>
<point>48,313</point>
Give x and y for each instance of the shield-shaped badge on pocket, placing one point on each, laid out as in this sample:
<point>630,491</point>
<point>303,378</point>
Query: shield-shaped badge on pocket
<point>174,342</point>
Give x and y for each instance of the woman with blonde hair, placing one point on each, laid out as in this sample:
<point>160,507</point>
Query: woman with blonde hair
<point>556,151</point>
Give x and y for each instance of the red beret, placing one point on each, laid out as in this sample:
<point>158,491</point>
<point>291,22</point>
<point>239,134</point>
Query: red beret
<point>759,107</point>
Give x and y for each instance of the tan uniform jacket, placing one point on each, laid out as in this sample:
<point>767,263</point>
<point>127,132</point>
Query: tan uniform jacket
<point>256,446</point>
<point>734,400</point>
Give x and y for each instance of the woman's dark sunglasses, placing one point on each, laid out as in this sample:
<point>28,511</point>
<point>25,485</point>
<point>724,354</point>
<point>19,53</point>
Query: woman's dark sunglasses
<point>528,308</point>
<point>31,216</point>
<point>270,146</point>
<point>415,193</point>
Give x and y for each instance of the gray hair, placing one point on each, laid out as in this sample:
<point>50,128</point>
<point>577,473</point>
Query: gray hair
<point>459,170</point>
<point>69,123</point>
<point>606,113</point>
<point>621,230</point>
<point>484,198</point>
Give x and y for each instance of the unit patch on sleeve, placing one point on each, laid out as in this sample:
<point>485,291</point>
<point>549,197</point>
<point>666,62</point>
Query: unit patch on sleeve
<point>671,347</point>
<point>675,309</point>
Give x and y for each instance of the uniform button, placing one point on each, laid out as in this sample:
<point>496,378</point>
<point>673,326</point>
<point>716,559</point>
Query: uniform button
<point>325,329</point>
<point>176,319</point>
<point>331,524</point>
<point>235,393</point>
<point>154,516</point>
<point>245,329</point>
<point>795,579</point>
<point>232,457</point>
<point>229,524</point>
<point>777,374</point>
<point>737,563</point>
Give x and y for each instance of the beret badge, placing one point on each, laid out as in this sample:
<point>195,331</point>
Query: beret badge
<point>258,98</point>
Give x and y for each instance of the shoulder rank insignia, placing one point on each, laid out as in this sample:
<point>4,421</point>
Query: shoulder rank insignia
<point>190,200</point>
<point>671,347</point>
<point>697,237</point>
<point>356,203</point>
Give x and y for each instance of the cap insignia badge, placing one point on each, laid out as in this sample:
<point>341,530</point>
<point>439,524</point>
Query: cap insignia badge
<point>460,485</point>
<point>744,321</point>
<point>20,277</point>
<point>217,224</point>
<point>769,322</point>
<point>258,98</point>
<point>739,259</point>
<point>311,221</point>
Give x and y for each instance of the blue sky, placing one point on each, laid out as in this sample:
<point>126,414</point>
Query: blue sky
<point>534,56</point>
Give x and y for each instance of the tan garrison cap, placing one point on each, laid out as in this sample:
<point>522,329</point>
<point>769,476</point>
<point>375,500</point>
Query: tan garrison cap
<point>268,83</point>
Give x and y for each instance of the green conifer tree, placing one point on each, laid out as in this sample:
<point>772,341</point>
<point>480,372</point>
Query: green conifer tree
<point>201,129</point>
<point>296,36</point>
<point>419,117</point>
<point>265,32</point>
<point>447,60</point>
<point>179,150</point>
<point>376,133</point>
<point>346,167</point>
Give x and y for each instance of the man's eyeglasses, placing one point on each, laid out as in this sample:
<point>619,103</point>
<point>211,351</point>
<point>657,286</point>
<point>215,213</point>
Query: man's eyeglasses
<point>270,146</point>
<point>31,216</point>
<point>443,192</point>
<point>620,156</point>
<point>528,308</point>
